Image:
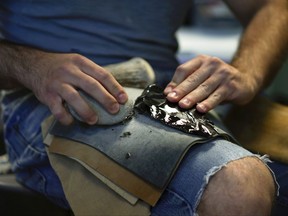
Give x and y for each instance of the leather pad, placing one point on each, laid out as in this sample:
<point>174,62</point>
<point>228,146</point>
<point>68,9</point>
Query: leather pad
<point>141,144</point>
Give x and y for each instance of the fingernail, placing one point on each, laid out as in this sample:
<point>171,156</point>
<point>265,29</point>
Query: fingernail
<point>114,108</point>
<point>201,108</point>
<point>122,98</point>
<point>93,120</point>
<point>172,94</point>
<point>168,90</point>
<point>186,102</point>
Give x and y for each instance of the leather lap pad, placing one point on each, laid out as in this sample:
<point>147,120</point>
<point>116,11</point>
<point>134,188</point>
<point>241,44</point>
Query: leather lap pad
<point>150,148</point>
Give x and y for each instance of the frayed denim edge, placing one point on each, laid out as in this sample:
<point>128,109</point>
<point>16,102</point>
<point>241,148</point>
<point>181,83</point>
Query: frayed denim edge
<point>214,170</point>
<point>265,159</point>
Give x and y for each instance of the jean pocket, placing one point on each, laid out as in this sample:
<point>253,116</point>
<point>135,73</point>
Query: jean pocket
<point>23,131</point>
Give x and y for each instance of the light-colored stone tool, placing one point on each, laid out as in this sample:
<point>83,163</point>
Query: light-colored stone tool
<point>134,75</point>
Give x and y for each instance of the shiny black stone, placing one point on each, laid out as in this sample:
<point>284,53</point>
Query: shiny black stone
<point>153,102</point>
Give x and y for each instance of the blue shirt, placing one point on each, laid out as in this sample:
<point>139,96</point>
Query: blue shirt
<point>106,31</point>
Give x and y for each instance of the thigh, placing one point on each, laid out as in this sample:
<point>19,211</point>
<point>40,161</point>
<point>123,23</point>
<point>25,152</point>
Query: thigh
<point>202,161</point>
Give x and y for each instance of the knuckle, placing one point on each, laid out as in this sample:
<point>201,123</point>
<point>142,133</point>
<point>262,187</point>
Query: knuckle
<point>215,60</point>
<point>193,79</point>
<point>204,86</point>
<point>180,91</point>
<point>78,59</point>
<point>71,95</point>
<point>181,69</point>
<point>63,69</point>
<point>58,111</point>
<point>103,75</point>
<point>89,85</point>
<point>231,85</point>
<point>202,56</point>
<point>216,96</point>
<point>224,72</point>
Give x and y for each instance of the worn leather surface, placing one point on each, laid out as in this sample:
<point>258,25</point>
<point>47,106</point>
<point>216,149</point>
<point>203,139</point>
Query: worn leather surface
<point>108,168</point>
<point>87,195</point>
<point>140,155</point>
<point>147,148</point>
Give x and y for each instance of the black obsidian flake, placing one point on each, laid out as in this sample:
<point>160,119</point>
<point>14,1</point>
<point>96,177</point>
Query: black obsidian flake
<point>154,103</point>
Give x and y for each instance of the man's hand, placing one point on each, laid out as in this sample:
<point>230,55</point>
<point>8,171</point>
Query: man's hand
<point>55,78</point>
<point>58,77</point>
<point>207,81</point>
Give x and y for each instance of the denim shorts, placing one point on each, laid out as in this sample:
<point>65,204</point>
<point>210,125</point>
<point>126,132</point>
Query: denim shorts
<point>22,117</point>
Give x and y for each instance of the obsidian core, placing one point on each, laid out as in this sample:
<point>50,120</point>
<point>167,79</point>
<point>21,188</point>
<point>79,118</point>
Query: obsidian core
<point>153,102</point>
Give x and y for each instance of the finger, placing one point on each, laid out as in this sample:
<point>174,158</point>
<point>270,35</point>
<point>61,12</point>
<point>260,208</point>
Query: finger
<point>105,78</point>
<point>182,72</point>
<point>198,94</point>
<point>96,90</point>
<point>91,86</point>
<point>216,98</point>
<point>59,111</point>
<point>189,84</point>
<point>74,99</point>
<point>207,87</point>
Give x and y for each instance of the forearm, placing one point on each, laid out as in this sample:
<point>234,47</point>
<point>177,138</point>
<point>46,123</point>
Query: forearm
<point>6,79</point>
<point>264,44</point>
<point>15,64</point>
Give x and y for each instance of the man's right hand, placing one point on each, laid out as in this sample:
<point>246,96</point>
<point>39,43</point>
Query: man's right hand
<point>60,77</point>
<point>54,78</point>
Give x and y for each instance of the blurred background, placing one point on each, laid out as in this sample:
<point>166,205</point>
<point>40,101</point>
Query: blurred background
<point>214,29</point>
<point>216,32</point>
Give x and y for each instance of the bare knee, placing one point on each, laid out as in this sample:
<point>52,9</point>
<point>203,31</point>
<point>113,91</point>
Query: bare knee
<point>243,187</point>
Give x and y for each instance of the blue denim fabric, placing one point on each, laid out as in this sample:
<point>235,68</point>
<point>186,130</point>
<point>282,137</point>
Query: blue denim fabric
<point>22,117</point>
<point>281,173</point>
<point>201,162</point>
